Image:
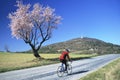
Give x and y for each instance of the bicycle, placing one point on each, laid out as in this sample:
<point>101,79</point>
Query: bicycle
<point>61,69</point>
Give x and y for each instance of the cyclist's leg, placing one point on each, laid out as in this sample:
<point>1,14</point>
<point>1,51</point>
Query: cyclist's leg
<point>65,62</point>
<point>62,65</point>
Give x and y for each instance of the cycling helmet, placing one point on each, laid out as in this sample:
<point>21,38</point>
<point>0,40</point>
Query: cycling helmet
<point>68,50</point>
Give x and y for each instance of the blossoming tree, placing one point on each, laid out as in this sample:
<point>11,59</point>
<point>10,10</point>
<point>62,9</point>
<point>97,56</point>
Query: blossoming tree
<point>33,25</point>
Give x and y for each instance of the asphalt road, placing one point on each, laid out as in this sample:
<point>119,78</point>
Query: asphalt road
<point>80,69</point>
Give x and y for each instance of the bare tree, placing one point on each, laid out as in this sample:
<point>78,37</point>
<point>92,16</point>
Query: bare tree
<point>33,26</point>
<point>7,48</point>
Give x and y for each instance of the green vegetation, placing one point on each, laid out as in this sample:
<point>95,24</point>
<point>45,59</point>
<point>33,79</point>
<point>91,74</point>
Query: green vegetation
<point>14,61</point>
<point>109,72</point>
<point>84,45</point>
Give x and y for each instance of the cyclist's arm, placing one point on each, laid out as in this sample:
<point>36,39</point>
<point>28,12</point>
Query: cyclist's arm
<point>68,57</point>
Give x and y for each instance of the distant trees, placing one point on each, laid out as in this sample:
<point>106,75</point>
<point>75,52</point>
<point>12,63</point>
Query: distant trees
<point>33,25</point>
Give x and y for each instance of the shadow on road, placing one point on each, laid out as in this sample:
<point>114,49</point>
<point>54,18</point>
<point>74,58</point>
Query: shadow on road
<point>79,72</point>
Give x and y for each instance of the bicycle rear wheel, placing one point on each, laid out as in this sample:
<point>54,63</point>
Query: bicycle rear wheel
<point>69,69</point>
<point>60,71</point>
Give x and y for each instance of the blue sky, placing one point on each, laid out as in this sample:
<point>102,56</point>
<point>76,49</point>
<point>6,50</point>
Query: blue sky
<point>89,18</point>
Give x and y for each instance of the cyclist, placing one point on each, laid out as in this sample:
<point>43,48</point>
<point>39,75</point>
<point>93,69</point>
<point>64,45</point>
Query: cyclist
<point>64,56</point>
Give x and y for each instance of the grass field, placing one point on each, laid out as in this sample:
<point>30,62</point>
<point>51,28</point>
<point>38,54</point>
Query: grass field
<point>14,61</point>
<point>109,72</point>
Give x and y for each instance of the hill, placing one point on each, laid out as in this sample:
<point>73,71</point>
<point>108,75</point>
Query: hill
<point>82,45</point>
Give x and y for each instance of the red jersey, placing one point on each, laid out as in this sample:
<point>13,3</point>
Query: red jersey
<point>64,55</point>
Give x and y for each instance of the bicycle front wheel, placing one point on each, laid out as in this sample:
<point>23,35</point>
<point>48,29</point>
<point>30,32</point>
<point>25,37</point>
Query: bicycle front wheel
<point>60,71</point>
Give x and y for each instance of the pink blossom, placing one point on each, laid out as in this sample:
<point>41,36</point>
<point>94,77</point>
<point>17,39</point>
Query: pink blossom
<point>33,25</point>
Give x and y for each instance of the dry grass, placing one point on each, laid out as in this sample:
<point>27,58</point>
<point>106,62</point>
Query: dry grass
<point>11,61</point>
<point>109,72</point>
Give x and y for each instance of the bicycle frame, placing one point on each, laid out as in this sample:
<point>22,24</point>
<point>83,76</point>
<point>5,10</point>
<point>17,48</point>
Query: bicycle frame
<point>63,66</point>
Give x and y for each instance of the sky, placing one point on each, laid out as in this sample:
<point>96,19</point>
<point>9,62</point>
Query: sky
<point>98,19</point>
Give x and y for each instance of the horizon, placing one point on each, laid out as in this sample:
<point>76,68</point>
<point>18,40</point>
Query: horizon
<point>89,18</point>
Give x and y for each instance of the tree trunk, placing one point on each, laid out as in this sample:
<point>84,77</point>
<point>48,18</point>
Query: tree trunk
<point>35,51</point>
<point>36,54</point>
